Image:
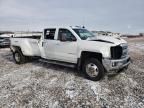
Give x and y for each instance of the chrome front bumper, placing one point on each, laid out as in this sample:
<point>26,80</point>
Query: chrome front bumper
<point>115,65</point>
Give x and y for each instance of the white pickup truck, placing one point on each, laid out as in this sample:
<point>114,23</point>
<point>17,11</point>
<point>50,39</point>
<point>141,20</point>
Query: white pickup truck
<point>74,47</point>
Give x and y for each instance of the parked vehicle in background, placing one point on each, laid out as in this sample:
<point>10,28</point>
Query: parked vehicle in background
<point>74,47</point>
<point>4,40</point>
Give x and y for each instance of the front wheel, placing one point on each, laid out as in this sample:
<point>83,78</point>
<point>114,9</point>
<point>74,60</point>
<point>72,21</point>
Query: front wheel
<point>93,69</point>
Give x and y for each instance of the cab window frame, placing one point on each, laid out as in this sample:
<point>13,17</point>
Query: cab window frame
<point>72,35</point>
<point>50,31</point>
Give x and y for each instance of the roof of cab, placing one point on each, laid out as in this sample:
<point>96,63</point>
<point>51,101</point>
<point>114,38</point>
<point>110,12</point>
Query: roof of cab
<point>71,27</point>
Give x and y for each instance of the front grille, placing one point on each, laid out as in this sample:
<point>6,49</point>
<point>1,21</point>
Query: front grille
<point>116,52</point>
<point>119,51</point>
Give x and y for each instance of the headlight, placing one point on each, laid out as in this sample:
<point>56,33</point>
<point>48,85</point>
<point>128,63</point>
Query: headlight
<point>125,50</point>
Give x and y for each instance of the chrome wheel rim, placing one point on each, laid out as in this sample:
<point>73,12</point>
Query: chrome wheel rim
<point>17,57</point>
<point>92,70</point>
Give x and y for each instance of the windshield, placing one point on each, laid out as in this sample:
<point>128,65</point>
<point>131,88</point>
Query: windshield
<point>83,33</point>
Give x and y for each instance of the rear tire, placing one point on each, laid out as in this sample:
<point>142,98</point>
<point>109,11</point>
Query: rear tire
<point>93,69</point>
<point>19,58</point>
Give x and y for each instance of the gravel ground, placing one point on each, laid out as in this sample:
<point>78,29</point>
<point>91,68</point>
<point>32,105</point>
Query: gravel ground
<point>38,84</point>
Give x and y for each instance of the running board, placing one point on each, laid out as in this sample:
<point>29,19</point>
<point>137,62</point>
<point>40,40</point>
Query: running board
<point>58,63</point>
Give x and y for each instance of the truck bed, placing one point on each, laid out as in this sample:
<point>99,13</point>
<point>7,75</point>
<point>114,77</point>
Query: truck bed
<point>29,45</point>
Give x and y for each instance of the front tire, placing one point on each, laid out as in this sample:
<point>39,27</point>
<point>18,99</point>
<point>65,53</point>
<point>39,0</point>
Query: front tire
<point>93,69</point>
<point>19,58</point>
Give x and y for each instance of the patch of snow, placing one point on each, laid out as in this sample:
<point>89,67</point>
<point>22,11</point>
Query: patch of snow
<point>71,89</point>
<point>54,105</point>
<point>53,80</point>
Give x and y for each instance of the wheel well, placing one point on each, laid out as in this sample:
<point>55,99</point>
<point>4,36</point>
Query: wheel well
<point>15,48</point>
<point>86,54</point>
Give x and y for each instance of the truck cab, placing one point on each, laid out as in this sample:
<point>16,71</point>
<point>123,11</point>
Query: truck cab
<point>78,47</point>
<point>60,44</point>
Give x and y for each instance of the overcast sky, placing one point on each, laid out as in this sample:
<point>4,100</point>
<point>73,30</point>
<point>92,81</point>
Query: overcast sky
<point>126,16</point>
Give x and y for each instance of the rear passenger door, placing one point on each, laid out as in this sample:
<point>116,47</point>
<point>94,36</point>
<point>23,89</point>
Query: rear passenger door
<point>49,43</point>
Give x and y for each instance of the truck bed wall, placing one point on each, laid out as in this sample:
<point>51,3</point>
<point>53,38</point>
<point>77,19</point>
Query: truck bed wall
<point>29,46</point>
<point>30,37</point>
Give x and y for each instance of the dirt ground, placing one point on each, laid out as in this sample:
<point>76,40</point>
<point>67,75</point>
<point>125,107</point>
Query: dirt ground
<point>38,84</point>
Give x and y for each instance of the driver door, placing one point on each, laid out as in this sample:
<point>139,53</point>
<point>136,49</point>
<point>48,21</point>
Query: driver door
<point>66,50</point>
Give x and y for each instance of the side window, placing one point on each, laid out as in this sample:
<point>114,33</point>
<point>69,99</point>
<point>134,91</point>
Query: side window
<point>67,33</point>
<point>49,34</point>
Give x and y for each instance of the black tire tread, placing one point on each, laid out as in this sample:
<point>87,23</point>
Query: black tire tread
<point>23,58</point>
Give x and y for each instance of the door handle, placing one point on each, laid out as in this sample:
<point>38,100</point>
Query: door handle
<point>43,43</point>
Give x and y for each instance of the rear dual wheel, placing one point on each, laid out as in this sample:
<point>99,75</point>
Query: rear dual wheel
<point>19,58</point>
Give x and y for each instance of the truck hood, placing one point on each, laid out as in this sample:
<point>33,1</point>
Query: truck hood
<point>101,44</point>
<point>107,39</point>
